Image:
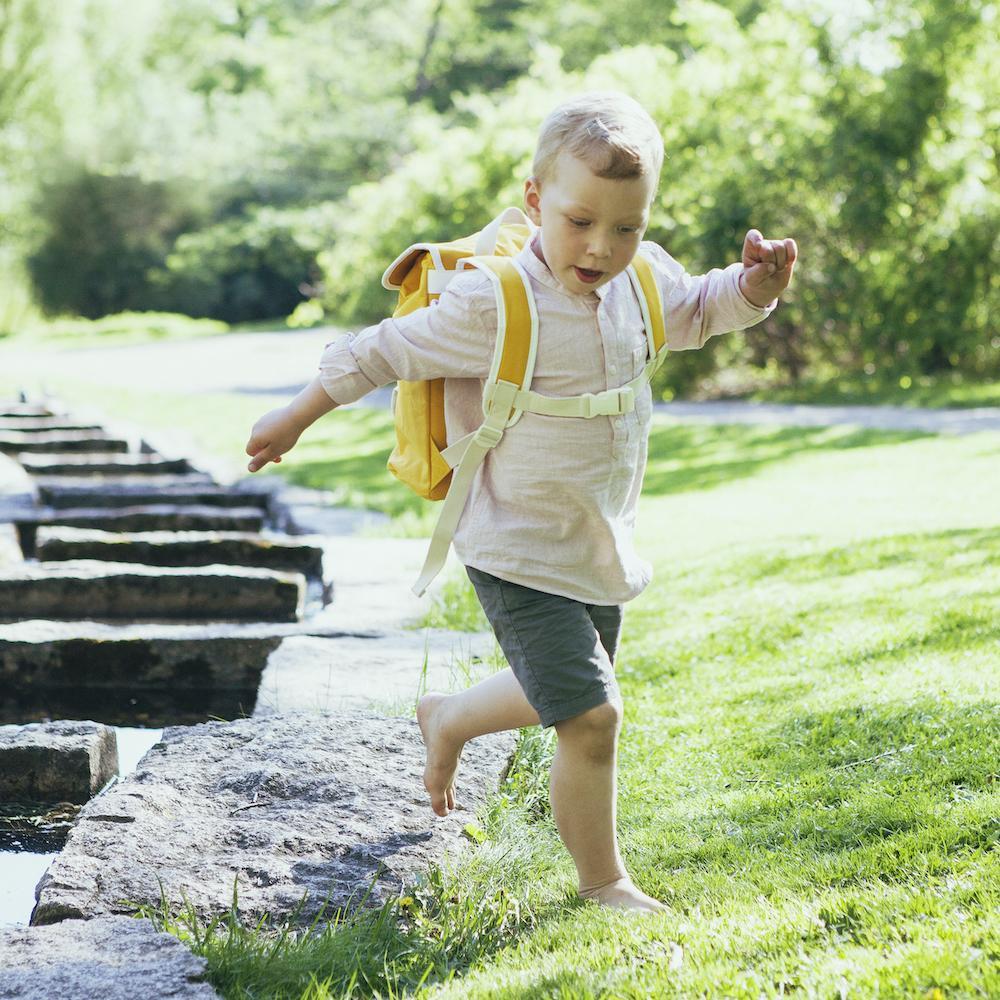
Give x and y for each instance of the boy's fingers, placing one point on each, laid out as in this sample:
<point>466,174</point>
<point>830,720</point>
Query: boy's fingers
<point>262,458</point>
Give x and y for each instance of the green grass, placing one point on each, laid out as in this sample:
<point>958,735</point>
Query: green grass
<point>113,331</point>
<point>808,767</point>
<point>808,764</point>
<point>951,389</point>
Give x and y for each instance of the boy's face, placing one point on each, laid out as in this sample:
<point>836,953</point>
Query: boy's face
<point>590,226</point>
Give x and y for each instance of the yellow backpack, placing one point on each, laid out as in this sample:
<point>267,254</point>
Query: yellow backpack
<point>422,458</point>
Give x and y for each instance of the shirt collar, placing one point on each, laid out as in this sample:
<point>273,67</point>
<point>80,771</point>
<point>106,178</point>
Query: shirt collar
<point>540,272</point>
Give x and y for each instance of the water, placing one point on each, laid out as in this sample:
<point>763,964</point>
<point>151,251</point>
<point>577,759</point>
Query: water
<point>32,835</point>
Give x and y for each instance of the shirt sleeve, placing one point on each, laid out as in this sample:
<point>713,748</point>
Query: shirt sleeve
<point>699,306</point>
<point>452,338</point>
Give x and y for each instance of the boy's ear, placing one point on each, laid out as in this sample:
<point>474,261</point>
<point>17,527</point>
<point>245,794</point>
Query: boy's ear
<point>532,201</point>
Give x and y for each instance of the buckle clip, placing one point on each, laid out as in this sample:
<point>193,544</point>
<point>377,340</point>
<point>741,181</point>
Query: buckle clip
<point>609,403</point>
<point>488,436</point>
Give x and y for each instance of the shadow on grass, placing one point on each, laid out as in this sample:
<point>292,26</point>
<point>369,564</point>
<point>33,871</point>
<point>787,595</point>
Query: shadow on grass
<point>685,457</point>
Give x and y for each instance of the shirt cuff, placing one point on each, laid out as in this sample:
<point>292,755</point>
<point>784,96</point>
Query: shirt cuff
<point>340,375</point>
<point>759,312</point>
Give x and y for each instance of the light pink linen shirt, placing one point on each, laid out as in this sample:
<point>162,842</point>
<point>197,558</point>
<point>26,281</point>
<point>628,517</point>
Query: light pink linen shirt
<point>553,505</point>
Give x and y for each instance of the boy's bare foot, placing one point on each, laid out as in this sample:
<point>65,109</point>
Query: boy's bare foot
<point>622,894</point>
<point>443,753</point>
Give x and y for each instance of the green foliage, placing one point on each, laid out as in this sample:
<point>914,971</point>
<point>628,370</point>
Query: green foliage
<point>102,235</point>
<point>134,327</point>
<point>865,132</point>
<point>241,269</point>
<point>455,606</point>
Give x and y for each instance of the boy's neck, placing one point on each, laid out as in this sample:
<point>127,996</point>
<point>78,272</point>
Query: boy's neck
<point>536,246</point>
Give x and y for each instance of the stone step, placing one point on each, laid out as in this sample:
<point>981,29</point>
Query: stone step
<point>187,548</point>
<point>40,654</point>
<point>151,517</point>
<point>90,589</point>
<point>331,807</point>
<point>13,408</point>
<point>15,442</point>
<point>113,491</point>
<point>61,761</point>
<point>107,463</point>
<point>115,958</point>
<point>35,424</point>
<point>138,675</point>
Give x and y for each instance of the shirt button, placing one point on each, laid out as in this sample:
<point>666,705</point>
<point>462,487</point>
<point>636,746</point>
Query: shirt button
<point>612,369</point>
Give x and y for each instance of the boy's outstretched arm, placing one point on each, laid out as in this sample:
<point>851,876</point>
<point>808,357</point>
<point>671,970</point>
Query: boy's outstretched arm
<point>767,267</point>
<point>278,430</point>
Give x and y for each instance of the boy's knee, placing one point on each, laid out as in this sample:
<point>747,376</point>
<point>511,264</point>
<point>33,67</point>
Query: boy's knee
<point>597,726</point>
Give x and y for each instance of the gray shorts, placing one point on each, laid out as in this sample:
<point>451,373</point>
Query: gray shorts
<point>561,651</point>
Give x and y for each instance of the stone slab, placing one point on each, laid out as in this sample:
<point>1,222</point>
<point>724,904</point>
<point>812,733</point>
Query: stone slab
<point>286,806</point>
<point>62,761</point>
<point>88,588</point>
<point>144,517</point>
<point>175,548</point>
<point>86,463</point>
<point>330,675</point>
<point>38,655</point>
<point>15,442</point>
<point>42,630</point>
<point>115,958</point>
<point>61,492</point>
<point>153,675</point>
<point>46,424</point>
<point>12,408</point>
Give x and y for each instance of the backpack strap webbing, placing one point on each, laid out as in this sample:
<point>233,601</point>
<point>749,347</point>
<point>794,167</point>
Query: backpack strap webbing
<point>513,361</point>
<point>640,273</point>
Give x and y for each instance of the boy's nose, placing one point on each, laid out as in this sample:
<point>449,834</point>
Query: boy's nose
<point>599,249</point>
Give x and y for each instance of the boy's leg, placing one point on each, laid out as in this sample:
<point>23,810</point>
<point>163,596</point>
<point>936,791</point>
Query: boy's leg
<point>446,721</point>
<point>583,791</point>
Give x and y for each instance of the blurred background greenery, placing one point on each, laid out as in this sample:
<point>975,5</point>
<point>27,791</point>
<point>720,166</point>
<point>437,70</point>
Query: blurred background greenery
<point>259,162</point>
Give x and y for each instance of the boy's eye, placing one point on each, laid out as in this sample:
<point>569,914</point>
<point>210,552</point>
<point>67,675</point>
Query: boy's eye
<point>579,222</point>
<point>628,229</point>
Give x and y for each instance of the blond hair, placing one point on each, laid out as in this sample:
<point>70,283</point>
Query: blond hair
<point>612,133</point>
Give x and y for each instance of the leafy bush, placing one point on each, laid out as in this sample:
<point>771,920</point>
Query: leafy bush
<point>258,267</point>
<point>102,234</point>
<point>879,171</point>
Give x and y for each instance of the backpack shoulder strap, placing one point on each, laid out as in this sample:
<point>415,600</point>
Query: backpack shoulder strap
<point>640,273</point>
<point>517,322</point>
<point>513,365</point>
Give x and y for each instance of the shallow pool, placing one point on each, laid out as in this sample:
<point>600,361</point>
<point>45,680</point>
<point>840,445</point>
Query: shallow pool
<point>28,846</point>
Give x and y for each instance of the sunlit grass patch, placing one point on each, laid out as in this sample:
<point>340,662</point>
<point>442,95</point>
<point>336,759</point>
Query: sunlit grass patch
<point>456,606</point>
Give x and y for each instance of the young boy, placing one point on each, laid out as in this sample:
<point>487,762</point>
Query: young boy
<point>546,534</point>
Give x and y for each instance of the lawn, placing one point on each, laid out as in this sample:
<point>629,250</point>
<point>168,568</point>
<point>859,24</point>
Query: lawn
<point>808,762</point>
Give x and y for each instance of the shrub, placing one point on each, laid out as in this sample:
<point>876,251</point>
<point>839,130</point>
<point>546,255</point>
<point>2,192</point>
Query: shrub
<point>256,267</point>
<point>102,236</point>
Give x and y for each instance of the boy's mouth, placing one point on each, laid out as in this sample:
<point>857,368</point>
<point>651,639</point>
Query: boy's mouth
<point>587,276</point>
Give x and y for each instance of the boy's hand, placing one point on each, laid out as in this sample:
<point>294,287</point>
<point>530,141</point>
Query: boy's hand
<point>275,433</point>
<point>767,267</point>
